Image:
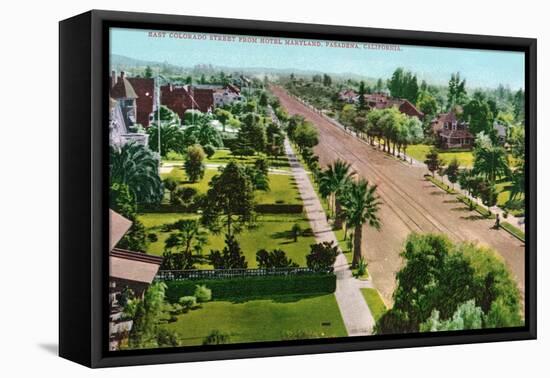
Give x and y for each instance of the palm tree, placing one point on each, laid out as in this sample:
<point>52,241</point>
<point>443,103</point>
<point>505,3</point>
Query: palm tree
<point>171,138</point>
<point>361,205</point>
<point>334,180</point>
<point>138,167</point>
<point>204,133</point>
<point>491,162</point>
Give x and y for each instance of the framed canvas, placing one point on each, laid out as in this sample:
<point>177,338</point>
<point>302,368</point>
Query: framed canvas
<point>236,188</point>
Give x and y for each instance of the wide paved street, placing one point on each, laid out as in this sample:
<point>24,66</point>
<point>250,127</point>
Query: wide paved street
<point>410,203</point>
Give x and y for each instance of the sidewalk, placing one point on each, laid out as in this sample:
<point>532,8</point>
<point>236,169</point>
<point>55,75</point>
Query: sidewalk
<point>355,312</point>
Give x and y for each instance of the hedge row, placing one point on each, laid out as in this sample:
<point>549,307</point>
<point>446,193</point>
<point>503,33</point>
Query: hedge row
<point>274,208</point>
<point>279,208</point>
<point>247,287</point>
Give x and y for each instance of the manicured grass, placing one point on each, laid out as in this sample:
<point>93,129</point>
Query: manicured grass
<point>440,184</point>
<point>270,232</point>
<point>269,319</point>
<point>513,230</point>
<point>374,301</point>
<point>419,152</point>
<point>282,189</point>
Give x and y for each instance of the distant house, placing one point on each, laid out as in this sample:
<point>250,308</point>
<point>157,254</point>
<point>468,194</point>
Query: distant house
<point>145,101</point>
<point>451,132</point>
<point>128,270</point>
<point>348,95</point>
<point>383,101</point>
<point>181,98</point>
<point>227,95</point>
<point>500,131</point>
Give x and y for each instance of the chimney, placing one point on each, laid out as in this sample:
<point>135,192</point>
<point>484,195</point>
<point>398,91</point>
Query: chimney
<point>113,78</point>
<point>121,75</point>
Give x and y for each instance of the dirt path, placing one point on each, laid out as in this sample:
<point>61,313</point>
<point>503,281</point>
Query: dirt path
<point>355,312</point>
<point>410,203</point>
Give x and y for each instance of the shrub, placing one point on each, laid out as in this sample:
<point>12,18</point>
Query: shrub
<point>231,257</point>
<point>194,163</point>
<point>216,337</point>
<point>152,237</point>
<point>203,294</point>
<point>209,150</point>
<point>274,259</point>
<point>183,196</point>
<point>361,267</point>
<point>167,338</point>
<point>187,302</point>
<point>322,256</point>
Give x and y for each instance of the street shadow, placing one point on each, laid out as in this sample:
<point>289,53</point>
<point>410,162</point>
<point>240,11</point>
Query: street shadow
<point>437,193</point>
<point>452,201</point>
<point>473,217</point>
<point>51,348</point>
<point>462,208</point>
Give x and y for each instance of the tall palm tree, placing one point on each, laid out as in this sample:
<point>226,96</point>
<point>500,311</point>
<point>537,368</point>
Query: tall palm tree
<point>138,167</point>
<point>204,133</point>
<point>361,205</point>
<point>334,180</point>
<point>491,162</point>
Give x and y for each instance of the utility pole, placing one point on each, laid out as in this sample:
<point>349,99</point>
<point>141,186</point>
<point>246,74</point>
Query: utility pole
<point>158,112</point>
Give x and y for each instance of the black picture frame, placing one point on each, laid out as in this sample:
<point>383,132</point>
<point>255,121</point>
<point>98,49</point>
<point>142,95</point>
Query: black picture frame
<point>83,198</point>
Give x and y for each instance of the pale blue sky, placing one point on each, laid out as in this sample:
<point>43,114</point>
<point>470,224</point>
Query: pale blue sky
<point>481,68</point>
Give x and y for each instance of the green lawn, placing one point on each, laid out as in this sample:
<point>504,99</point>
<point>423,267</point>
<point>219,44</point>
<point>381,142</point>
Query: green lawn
<point>276,318</point>
<point>374,301</point>
<point>282,187</point>
<point>419,152</point>
<point>224,156</point>
<point>271,231</point>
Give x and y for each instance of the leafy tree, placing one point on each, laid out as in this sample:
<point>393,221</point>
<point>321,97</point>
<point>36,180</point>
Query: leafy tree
<point>452,171</point>
<point>137,167</point>
<point>274,259</point>
<point>172,138</point>
<point>306,135</point>
<point>231,257</point>
<point>361,205</point>
<point>147,317</point>
<point>441,276</point>
<point>490,161</point>
<point>229,200</point>
<point>432,161</point>
<point>209,150</point>
<point>203,133</point>
<point>258,177</point>
<point>122,201</point>
<point>479,115</point>
<point>252,132</point>
<point>408,132</point>
<point>292,124</point>
<point>519,105</point>
<point>263,99</point>
<point>466,316</point>
<point>327,80</point>
<point>403,84</point>
<point>333,182</point>
<point>457,91</point>
<point>427,104</point>
<point>322,256</point>
<point>187,238</point>
<point>362,91</point>
<point>194,163</point>
<point>148,73</point>
<point>295,230</point>
<point>348,114</point>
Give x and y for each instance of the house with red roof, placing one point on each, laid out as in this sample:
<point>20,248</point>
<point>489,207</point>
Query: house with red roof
<point>452,132</point>
<point>145,101</point>
<point>181,98</point>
